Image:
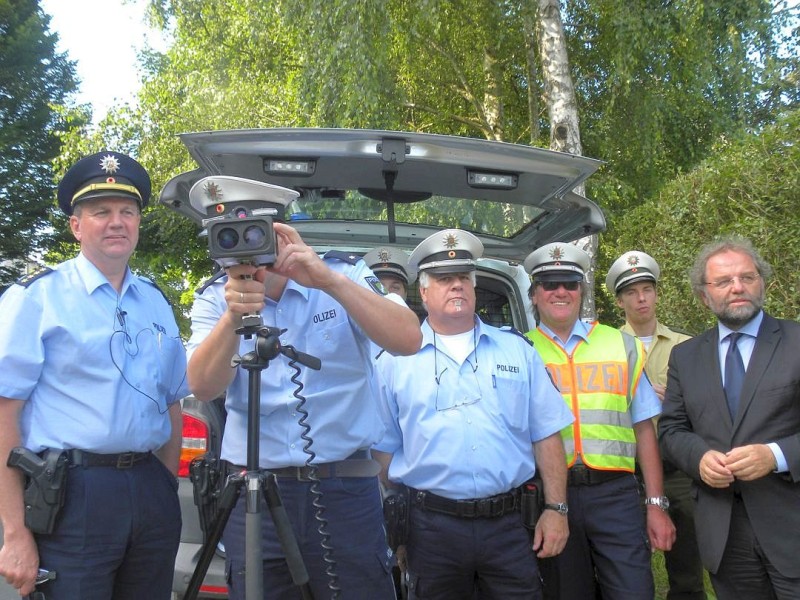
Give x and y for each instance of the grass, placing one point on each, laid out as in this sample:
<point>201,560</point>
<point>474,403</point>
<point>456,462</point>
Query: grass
<point>660,577</point>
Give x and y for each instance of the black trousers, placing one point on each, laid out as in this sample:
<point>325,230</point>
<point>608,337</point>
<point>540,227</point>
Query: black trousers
<point>745,571</point>
<point>116,536</point>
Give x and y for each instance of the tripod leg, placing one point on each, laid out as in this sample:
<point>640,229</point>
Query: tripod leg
<point>254,570</point>
<point>283,527</point>
<point>226,503</point>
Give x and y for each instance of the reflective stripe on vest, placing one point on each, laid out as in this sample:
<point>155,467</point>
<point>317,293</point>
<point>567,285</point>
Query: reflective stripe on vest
<point>597,383</point>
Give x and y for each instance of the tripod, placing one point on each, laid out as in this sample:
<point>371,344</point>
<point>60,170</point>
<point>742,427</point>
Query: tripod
<point>257,481</point>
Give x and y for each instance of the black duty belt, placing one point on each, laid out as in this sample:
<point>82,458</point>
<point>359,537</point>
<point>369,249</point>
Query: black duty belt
<point>121,460</point>
<point>477,508</point>
<point>358,464</point>
<point>583,475</point>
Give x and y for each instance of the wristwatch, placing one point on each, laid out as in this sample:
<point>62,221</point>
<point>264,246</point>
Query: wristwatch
<point>661,502</point>
<point>561,507</point>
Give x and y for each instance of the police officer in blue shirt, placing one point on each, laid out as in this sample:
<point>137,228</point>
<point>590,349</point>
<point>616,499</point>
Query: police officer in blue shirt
<point>390,266</point>
<point>600,372</point>
<point>332,308</point>
<point>470,418</point>
<point>92,364</point>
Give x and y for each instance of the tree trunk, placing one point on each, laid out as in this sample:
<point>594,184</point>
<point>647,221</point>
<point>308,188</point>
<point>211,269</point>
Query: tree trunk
<point>559,95</point>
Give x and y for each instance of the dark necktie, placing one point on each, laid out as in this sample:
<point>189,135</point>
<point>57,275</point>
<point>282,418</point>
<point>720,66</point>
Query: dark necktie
<point>734,375</point>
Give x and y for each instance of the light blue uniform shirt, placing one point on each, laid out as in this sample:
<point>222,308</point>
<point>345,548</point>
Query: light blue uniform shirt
<point>470,434</point>
<point>746,344</point>
<point>340,398</point>
<point>96,370</point>
<point>645,403</point>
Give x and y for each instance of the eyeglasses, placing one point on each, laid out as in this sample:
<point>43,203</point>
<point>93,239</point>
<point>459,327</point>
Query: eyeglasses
<point>552,286</point>
<point>458,391</point>
<point>724,284</point>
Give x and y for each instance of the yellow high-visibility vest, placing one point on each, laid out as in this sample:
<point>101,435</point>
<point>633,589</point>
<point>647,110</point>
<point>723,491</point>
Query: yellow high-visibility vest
<point>597,382</point>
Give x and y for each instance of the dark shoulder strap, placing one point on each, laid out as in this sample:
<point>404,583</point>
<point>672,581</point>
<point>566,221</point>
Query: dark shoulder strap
<point>347,257</point>
<point>514,330</point>
<point>26,280</point>
<point>152,283</point>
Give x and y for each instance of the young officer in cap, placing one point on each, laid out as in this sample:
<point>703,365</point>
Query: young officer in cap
<point>332,308</point>
<point>390,265</point>
<point>470,418</point>
<point>92,364</point>
<point>633,279</point>
<point>600,372</point>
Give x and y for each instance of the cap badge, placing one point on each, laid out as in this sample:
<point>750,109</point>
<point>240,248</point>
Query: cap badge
<point>213,191</point>
<point>109,164</point>
<point>451,241</point>
<point>633,260</point>
<point>557,253</point>
<point>384,255</point>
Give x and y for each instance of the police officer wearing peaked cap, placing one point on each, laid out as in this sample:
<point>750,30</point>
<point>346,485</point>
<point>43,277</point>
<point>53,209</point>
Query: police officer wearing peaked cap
<point>104,175</point>
<point>334,308</point>
<point>607,542</point>
<point>633,280</point>
<point>631,267</point>
<point>390,265</point>
<point>464,464</point>
<point>74,380</point>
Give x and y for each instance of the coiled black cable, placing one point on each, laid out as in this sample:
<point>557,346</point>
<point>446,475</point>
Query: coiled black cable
<point>319,514</point>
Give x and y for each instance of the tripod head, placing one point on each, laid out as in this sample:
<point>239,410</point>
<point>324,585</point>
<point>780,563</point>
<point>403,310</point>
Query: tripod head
<point>268,346</point>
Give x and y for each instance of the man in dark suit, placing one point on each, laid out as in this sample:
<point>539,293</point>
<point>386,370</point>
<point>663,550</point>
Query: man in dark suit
<point>731,420</point>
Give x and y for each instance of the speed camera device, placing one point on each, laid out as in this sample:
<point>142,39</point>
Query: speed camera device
<point>239,217</point>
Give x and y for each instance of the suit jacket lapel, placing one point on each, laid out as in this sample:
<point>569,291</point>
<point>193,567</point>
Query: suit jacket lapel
<point>766,343</point>
<point>711,375</point>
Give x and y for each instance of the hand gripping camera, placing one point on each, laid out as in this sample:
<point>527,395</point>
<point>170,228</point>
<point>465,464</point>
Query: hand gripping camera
<point>240,217</point>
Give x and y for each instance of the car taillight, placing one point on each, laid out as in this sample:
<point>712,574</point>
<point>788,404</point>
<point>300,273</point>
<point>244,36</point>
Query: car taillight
<point>195,442</point>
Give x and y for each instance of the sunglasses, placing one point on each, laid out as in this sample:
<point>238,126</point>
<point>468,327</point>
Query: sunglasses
<point>552,286</point>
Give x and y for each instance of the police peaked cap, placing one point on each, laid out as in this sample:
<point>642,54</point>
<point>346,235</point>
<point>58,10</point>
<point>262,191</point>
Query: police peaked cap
<point>106,174</point>
<point>558,261</point>
<point>217,193</point>
<point>389,261</point>
<point>447,251</point>
<point>631,267</point>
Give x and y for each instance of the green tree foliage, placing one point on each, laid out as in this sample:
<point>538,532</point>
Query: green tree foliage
<point>35,82</point>
<point>661,81</point>
<point>658,83</point>
<point>749,187</point>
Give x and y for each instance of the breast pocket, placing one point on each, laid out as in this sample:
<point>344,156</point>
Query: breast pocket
<point>510,402</point>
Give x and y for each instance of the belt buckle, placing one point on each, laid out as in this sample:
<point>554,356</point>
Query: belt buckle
<point>126,460</point>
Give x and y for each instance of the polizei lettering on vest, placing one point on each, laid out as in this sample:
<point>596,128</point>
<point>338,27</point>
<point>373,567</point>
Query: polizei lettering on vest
<point>590,377</point>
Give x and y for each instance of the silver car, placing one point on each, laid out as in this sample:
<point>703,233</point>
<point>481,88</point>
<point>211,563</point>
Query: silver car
<point>359,189</point>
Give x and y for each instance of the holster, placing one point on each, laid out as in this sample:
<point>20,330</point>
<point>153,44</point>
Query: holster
<point>205,473</point>
<point>45,485</point>
<point>396,516</point>
<point>531,502</point>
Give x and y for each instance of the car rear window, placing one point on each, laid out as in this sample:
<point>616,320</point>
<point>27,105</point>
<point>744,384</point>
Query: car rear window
<point>478,216</point>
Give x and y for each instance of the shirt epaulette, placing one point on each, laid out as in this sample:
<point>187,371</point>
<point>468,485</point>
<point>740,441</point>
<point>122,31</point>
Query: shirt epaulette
<point>28,279</point>
<point>204,286</point>
<point>679,330</point>
<point>347,257</point>
<point>509,329</point>
<point>151,282</point>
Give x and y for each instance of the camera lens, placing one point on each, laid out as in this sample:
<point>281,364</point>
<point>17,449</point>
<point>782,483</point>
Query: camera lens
<point>254,237</point>
<point>227,238</point>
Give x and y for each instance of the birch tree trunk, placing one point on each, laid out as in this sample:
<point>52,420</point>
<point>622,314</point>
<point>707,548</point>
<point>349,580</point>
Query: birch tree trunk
<point>559,95</point>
